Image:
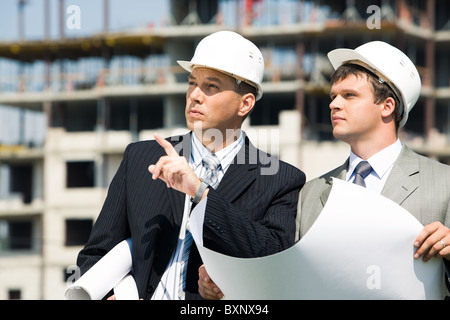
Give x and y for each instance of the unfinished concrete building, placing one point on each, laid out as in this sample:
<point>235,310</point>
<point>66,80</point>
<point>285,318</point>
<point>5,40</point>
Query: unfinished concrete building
<point>72,105</point>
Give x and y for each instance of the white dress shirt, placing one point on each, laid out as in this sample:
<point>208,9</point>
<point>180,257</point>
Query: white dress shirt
<point>381,162</point>
<point>168,286</point>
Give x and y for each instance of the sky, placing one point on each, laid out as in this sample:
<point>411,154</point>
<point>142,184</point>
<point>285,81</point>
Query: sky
<point>124,14</point>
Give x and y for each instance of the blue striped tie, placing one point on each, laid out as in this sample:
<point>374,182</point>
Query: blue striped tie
<point>184,260</point>
<point>210,166</point>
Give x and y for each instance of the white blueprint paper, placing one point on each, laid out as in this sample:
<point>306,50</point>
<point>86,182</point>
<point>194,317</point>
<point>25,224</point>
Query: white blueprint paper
<point>360,247</point>
<point>105,275</point>
<point>126,289</point>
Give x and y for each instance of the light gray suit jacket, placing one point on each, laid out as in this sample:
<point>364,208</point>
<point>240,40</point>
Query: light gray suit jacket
<point>417,183</point>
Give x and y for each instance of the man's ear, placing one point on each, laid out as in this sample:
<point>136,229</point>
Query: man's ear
<point>388,108</point>
<point>247,103</point>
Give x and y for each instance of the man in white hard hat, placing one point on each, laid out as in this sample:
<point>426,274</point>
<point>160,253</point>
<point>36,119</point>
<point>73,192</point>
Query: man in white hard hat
<point>374,87</point>
<point>251,198</point>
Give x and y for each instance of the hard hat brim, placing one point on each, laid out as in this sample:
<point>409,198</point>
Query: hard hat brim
<point>339,57</point>
<point>189,66</point>
<point>186,65</point>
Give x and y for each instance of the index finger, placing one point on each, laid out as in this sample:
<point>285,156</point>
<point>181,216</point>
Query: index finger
<point>170,150</point>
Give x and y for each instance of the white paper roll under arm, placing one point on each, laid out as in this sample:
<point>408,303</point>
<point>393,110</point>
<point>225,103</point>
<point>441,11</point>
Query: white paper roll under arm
<point>126,289</point>
<point>104,275</point>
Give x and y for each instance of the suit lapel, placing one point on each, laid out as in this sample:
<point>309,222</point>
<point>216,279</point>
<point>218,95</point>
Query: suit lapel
<point>326,192</point>
<point>240,173</point>
<point>339,173</point>
<point>399,184</point>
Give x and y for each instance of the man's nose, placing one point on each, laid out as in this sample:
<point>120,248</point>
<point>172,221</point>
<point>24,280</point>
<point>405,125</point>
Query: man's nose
<point>336,103</point>
<point>196,95</point>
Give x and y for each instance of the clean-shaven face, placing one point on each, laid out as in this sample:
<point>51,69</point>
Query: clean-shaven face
<point>354,114</point>
<point>211,100</point>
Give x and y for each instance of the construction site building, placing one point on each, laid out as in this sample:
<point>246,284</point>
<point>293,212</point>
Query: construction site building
<point>70,105</point>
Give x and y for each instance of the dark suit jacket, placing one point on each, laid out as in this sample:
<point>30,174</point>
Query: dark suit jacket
<point>251,214</point>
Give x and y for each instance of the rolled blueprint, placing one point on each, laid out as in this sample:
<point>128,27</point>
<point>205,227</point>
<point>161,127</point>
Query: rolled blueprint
<point>126,289</point>
<point>104,275</point>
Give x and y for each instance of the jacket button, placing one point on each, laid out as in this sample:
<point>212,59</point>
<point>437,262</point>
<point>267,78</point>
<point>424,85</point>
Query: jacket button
<point>150,289</point>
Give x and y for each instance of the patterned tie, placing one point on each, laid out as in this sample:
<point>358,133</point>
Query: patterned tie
<point>211,165</point>
<point>209,175</point>
<point>362,170</point>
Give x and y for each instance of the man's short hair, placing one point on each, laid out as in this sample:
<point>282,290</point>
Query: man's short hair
<point>243,88</point>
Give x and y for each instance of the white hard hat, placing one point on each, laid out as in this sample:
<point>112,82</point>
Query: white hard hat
<point>390,65</point>
<point>229,52</point>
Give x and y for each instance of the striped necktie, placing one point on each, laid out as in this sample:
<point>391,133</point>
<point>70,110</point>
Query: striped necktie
<point>211,165</point>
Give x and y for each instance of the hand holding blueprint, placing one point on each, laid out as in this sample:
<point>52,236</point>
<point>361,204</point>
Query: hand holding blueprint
<point>360,247</point>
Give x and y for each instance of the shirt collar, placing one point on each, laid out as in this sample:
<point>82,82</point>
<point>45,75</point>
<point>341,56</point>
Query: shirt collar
<point>380,162</point>
<point>225,155</point>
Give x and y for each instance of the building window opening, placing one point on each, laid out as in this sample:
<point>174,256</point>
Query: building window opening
<point>78,231</point>
<point>14,294</point>
<point>80,174</point>
<point>16,235</point>
<point>21,181</point>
